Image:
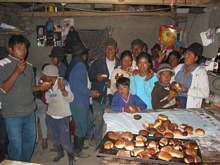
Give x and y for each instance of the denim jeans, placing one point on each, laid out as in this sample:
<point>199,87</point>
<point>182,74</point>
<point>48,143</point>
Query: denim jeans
<point>21,134</point>
<point>59,130</point>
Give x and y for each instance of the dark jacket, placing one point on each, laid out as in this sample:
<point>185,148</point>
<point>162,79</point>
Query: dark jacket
<point>159,98</point>
<point>100,66</point>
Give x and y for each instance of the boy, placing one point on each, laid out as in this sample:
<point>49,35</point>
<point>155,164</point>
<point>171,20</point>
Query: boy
<point>124,101</point>
<point>162,96</point>
<point>17,85</point>
<point>58,113</point>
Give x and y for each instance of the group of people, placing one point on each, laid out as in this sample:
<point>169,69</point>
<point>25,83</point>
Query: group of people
<point>131,83</point>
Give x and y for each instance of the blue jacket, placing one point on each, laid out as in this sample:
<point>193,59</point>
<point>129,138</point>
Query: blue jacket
<point>118,103</point>
<point>100,66</point>
<point>78,80</point>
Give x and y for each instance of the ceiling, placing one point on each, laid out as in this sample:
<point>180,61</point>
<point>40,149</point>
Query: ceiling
<point>173,8</point>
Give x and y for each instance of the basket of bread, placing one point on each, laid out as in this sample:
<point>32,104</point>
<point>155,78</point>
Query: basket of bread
<point>156,143</point>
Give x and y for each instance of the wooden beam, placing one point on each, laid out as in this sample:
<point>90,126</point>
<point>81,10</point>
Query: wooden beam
<point>198,3</point>
<point>95,13</point>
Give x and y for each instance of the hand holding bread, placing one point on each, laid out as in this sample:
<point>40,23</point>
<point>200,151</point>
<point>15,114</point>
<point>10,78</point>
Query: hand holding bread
<point>101,76</point>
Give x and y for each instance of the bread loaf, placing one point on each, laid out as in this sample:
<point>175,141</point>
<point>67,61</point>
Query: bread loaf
<point>108,145</point>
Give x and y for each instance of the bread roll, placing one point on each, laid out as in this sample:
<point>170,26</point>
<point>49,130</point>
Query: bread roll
<point>179,86</point>
<point>190,151</point>
<point>176,154</point>
<point>185,133</point>
<point>145,125</point>
<point>173,91</point>
<point>135,151</point>
<point>168,135</point>
<point>158,134</point>
<point>104,75</point>
<point>47,83</point>
<point>151,150</point>
<point>163,141</point>
<point>175,126</point>
<point>153,144</point>
<point>120,143</point>
<point>113,136</point>
<point>191,144</point>
<point>183,125</point>
<point>137,117</point>
<point>128,136</point>
<point>176,142</point>
<point>177,132</point>
<point>108,145</point>
<point>189,129</point>
<point>162,117</point>
<point>144,155</point>
<point>200,131</point>
<point>189,159</point>
<point>129,145</point>
<point>166,149</point>
<point>152,131</point>
<point>197,158</point>
<point>161,129</point>
<point>120,75</point>
<point>132,108</point>
<point>157,123</point>
<point>141,138</point>
<point>139,143</point>
<point>164,156</point>
<point>143,132</point>
<point>165,123</point>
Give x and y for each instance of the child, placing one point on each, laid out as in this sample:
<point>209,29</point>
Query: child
<point>58,114</point>
<point>162,96</point>
<point>126,62</point>
<point>124,101</point>
<point>143,79</point>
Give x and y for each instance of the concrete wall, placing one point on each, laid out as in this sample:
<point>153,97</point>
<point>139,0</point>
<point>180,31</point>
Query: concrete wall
<point>126,29</point>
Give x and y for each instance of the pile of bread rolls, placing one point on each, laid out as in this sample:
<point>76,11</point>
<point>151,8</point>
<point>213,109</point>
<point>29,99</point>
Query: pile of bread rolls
<point>163,127</point>
<point>148,147</point>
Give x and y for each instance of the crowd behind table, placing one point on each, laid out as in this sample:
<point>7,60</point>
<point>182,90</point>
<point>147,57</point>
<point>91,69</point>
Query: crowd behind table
<point>131,83</point>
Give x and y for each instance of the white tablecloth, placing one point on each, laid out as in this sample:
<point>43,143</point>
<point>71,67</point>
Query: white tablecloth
<point>126,121</point>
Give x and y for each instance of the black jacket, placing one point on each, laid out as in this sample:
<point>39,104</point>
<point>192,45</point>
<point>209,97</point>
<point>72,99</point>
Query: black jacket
<point>100,66</point>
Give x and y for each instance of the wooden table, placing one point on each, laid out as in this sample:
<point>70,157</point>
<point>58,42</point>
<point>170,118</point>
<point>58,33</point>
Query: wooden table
<point>207,144</point>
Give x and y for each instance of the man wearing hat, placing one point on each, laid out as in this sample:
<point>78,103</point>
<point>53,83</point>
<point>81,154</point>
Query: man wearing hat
<point>77,77</point>
<point>58,113</point>
<point>58,58</point>
<point>162,97</point>
<point>192,77</point>
<point>100,74</point>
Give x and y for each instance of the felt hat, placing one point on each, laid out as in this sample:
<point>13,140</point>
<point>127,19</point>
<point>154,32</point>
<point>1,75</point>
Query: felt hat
<point>79,48</point>
<point>110,42</point>
<point>50,70</point>
<point>179,44</point>
<point>197,48</point>
<point>57,52</point>
<point>165,67</point>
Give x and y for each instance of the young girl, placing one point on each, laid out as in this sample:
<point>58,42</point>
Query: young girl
<point>126,62</point>
<point>142,81</point>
